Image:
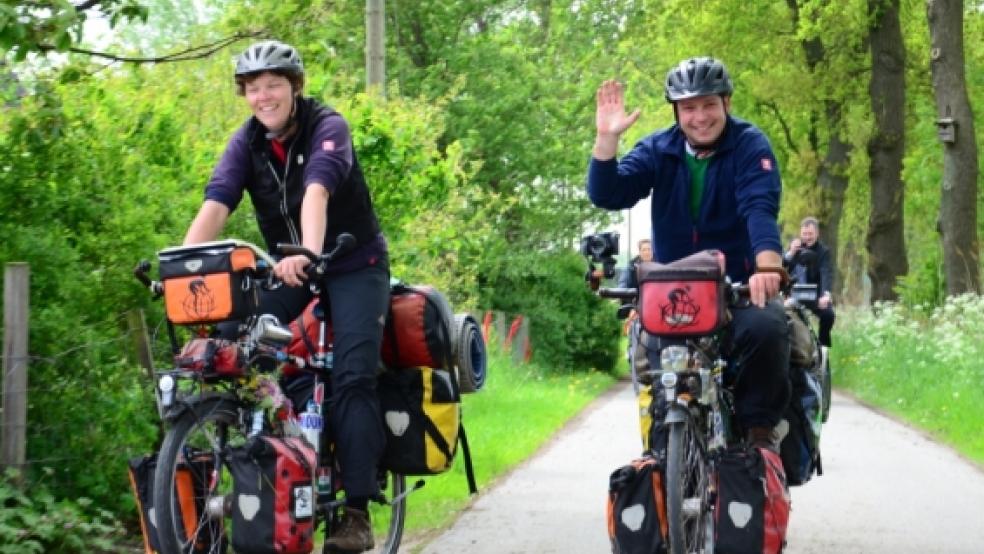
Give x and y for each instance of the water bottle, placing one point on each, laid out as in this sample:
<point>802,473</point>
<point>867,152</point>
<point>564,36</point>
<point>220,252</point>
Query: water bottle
<point>311,424</point>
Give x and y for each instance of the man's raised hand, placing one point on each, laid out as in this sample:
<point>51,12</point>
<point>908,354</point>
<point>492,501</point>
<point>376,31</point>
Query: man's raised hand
<point>610,118</point>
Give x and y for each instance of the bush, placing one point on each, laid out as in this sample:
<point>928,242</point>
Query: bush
<point>39,524</point>
<point>570,328</point>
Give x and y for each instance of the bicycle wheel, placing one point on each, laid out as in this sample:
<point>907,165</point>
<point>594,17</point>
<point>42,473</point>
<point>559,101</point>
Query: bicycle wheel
<point>691,524</point>
<point>190,472</point>
<point>826,383</point>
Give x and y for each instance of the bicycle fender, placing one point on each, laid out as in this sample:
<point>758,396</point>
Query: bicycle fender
<point>676,414</point>
<point>190,403</point>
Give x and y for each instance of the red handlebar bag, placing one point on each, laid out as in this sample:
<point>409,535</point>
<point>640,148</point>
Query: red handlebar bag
<point>685,297</point>
<point>208,283</point>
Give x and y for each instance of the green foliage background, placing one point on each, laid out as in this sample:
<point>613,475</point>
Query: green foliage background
<point>475,159</point>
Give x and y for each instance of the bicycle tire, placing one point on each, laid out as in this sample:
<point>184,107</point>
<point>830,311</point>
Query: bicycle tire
<point>202,431</point>
<point>827,385</point>
<point>690,520</point>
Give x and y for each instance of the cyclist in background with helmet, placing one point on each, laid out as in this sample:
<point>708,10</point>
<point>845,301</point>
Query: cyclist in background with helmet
<point>715,184</point>
<point>294,157</point>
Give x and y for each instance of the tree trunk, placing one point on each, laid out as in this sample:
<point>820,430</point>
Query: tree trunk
<point>958,195</point>
<point>375,47</point>
<point>831,175</point>
<point>885,239</point>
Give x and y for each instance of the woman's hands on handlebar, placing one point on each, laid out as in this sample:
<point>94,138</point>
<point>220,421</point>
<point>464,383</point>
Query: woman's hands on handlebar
<point>292,270</point>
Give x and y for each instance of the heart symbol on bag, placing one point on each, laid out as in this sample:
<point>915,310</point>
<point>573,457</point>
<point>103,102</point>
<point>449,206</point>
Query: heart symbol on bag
<point>633,516</point>
<point>398,422</point>
<point>740,513</point>
<point>249,504</point>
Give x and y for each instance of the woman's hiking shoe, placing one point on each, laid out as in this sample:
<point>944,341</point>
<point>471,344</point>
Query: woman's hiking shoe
<point>354,533</point>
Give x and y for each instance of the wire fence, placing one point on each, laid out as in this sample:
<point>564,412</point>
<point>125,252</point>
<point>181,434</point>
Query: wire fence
<point>89,407</point>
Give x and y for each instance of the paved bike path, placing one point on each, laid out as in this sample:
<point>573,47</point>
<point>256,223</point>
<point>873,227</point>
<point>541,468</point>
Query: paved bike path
<point>885,489</point>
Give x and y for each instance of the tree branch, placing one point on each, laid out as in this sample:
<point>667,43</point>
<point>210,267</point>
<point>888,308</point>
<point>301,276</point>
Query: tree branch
<point>782,123</point>
<point>194,53</point>
<point>88,4</point>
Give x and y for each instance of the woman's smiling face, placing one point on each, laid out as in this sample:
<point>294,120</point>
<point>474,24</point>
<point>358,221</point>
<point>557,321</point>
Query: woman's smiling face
<point>271,98</point>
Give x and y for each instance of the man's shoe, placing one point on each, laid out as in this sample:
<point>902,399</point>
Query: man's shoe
<point>354,533</point>
<point>763,437</point>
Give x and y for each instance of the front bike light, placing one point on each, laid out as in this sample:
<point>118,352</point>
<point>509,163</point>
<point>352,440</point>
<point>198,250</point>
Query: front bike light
<point>669,381</point>
<point>674,358</point>
<point>165,394</point>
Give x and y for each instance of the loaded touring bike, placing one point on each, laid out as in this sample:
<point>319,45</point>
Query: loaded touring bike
<point>687,406</point>
<point>233,470</point>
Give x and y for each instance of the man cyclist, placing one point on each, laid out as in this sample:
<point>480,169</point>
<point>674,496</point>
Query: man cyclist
<point>809,261</point>
<point>295,158</point>
<point>714,183</point>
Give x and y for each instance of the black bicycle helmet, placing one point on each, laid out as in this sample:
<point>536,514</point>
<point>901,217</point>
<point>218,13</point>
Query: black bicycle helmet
<point>269,55</point>
<point>697,77</point>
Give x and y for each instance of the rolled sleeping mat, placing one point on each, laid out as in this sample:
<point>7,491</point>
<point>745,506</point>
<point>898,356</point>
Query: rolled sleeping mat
<point>468,352</point>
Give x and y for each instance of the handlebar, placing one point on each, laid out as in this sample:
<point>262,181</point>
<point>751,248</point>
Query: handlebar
<point>344,244</point>
<point>736,291</point>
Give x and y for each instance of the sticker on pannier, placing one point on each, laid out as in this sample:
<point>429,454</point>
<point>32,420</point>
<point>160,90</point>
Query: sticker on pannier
<point>422,417</point>
<point>418,329</point>
<point>208,283</point>
<point>191,480</point>
<point>273,496</point>
<point>683,298</point>
<point>636,509</point>
<point>753,503</point>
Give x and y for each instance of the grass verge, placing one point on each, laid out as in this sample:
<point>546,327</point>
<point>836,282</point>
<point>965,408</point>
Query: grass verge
<point>920,364</point>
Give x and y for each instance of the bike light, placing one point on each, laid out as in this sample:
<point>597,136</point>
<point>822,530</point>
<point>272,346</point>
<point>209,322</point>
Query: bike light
<point>668,380</point>
<point>165,387</point>
<point>674,358</point>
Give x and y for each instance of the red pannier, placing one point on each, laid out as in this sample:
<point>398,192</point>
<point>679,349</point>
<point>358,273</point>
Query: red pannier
<point>418,329</point>
<point>417,334</point>
<point>685,297</point>
<point>273,496</point>
<point>753,503</point>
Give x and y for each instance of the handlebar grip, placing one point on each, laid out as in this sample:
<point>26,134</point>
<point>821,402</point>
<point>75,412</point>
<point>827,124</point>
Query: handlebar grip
<point>140,272</point>
<point>620,293</point>
<point>295,249</point>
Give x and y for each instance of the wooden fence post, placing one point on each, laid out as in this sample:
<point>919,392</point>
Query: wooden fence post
<point>137,326</point>
<point>13,420</point>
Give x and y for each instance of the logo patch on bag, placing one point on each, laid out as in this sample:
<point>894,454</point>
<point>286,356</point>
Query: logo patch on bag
<point>249,504</point>
<point>303,502</point>
<point>200,302</point>
<point>681,311</point>
<point>633,516</point>
<point>193,265</point>
<point>398,422</point>
<point>740,513</point>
